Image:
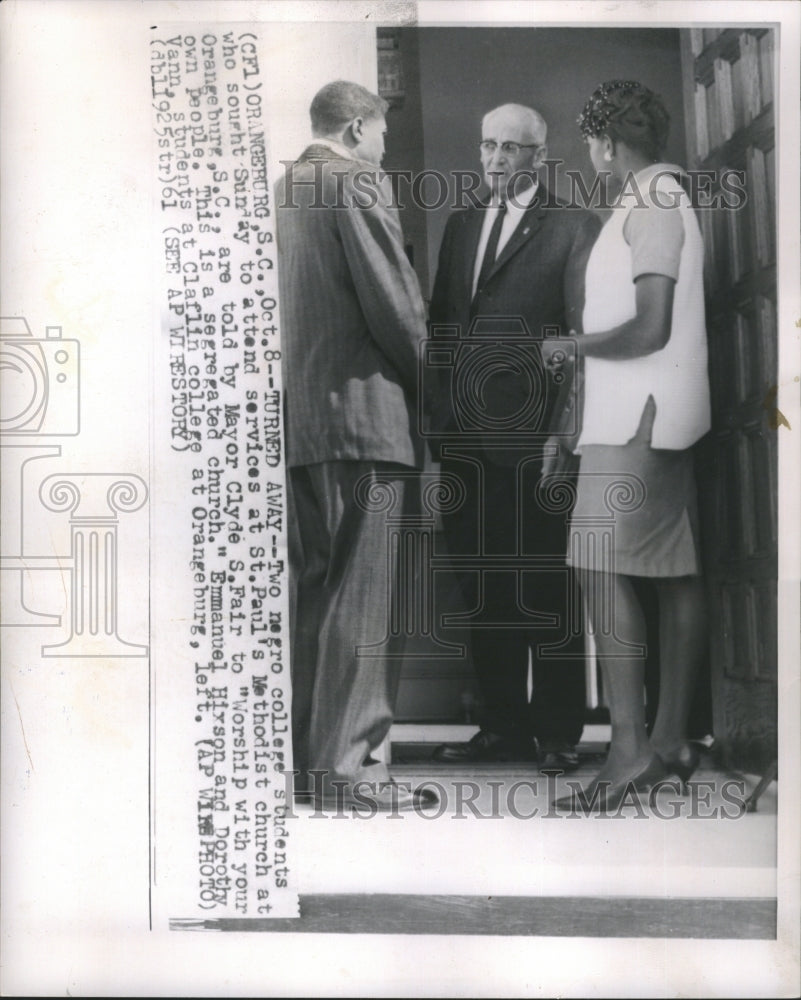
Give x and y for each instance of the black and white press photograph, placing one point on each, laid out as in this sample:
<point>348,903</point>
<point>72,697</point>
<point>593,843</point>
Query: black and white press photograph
<point>400,506</point>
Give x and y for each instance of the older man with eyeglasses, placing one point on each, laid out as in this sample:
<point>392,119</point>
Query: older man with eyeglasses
<point>519,256</point>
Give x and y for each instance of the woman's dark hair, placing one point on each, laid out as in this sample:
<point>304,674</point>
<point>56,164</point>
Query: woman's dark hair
<point>627,112</point>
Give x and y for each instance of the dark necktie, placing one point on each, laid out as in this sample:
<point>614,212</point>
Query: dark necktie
<point>492,248</point>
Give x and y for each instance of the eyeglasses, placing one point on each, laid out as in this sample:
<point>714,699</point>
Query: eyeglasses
<point>508,148</point>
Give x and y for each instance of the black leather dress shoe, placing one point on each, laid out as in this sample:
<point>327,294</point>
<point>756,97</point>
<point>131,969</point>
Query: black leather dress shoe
<point>369,797</point>
<point>484,747</point>
<point>559,757</point>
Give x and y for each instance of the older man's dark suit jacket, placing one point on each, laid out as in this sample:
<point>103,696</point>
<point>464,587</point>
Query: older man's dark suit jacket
<point>538,277</point>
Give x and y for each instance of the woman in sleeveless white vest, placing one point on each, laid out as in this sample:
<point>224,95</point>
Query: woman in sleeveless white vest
<point>646,402</point>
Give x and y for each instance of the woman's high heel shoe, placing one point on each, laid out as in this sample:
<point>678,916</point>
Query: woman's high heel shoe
<point>608,796</point>
<point>681,762</point>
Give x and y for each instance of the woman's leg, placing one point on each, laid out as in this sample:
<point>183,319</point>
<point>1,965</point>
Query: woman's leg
<point>620,636</point>
<point>682,645</point>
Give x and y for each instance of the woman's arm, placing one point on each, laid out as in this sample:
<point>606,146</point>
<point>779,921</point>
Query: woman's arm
<point>646,332</point>
<point>656,237</point>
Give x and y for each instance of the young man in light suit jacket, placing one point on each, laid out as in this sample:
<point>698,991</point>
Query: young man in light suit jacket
<point>352,319</point>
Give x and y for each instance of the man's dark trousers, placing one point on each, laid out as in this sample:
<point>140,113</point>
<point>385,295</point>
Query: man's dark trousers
<point>501,654</point>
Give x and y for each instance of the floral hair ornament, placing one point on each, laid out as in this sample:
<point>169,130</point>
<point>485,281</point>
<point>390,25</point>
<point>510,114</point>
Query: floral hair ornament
<point>603,106</point>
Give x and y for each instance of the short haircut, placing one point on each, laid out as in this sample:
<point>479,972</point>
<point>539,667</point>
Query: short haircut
<point>531,119</point>
<point>338,103</point>
<point>627,112</point>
